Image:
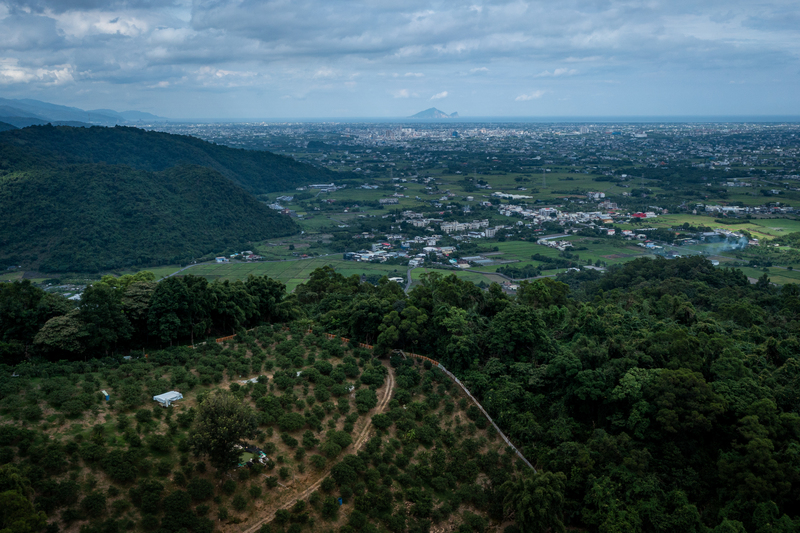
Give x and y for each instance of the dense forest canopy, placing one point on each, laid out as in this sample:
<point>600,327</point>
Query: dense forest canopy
<point>94,199</point>
<point>255,171</point>
<point>663,395</point>
<point>93,217</point>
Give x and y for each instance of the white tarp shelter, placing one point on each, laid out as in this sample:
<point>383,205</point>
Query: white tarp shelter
<point>168,398</point>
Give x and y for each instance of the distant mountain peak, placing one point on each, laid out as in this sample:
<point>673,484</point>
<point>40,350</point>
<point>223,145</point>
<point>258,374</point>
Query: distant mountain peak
<point>434,113</point>
<point>27,112</point>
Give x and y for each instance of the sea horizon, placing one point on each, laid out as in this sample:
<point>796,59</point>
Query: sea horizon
<point>585,119</point>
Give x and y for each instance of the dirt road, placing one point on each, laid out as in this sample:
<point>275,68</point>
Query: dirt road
<point>359,441</point>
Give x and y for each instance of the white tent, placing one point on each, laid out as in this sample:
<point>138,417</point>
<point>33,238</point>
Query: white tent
<point>168,398</point>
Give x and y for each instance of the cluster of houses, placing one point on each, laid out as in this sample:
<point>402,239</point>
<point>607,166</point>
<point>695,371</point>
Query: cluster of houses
<point>321,187</point>
<point>550,214</point>
<point>382,252</point>
<point>457,227</point>
<point>245,256</point>
<point>375,256</point>
<point>736,210</point>
<point>552,243</point>
<point>477,229</point>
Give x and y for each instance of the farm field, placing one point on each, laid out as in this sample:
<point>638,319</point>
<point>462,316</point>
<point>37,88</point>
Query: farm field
<point>12,276</point>
<point>160,272</point>
<point>473,277</point>
<point>779,276</point>
<point>293,272</point>
<point>597,249</point>
<point>780,226</point>
<point>761,228</point>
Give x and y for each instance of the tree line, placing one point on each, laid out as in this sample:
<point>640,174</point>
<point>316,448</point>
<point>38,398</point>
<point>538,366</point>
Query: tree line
<point>132,312</point>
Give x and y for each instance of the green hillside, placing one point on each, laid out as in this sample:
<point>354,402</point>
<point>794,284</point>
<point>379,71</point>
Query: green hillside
<point>91,217</point>
<point>255,171</point>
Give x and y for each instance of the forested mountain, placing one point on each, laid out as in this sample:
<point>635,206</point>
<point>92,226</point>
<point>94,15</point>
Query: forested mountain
<point>53,113</point>
<point>60,217</point>
<point>89,199</point>
<point>255,171</point>
<point>4,126</point>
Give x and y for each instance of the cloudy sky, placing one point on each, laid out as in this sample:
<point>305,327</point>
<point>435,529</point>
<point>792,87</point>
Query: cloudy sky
<point>391,58</point>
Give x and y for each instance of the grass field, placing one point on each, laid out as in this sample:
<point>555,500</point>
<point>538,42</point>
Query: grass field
<point>293,272</point>
<point>780,276</point>
<point>597,249</point>
<point>159,272</point>
<point>12,276</point>
<point>474,277</point>
<point>760,228</point>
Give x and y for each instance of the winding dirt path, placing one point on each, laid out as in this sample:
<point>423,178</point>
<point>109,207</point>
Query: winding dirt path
<point>383,402</point>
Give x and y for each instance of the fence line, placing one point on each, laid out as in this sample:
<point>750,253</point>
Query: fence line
<point>476,402</point>
<point>463,388</point>
<point>449,374</point>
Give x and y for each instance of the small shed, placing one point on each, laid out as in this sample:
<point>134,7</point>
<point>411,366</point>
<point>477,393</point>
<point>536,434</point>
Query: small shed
<point>168,398</point>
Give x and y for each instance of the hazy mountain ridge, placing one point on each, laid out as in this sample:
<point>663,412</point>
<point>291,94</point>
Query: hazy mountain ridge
<point>52,113</point>
<point>255,171</point>
<point>434,113</point>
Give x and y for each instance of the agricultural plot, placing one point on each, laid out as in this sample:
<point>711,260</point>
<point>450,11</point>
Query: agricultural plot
<point>322,415</point>
<point>293,272</point>
<point>597,249</point>
<point>473,277</point>
<point>317,223</point>
<point>779,226</point>
<point>760,228</point>
<point>12,276</point>
<point>777,275</point>
<point>159,271</point>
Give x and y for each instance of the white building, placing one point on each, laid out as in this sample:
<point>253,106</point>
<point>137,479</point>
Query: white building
<point>168,398</point>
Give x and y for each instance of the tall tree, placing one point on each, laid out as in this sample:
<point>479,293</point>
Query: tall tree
<point>66,333</point>
<point>268,293</point>
<point>535,500</point>
<point>222,423</point>
<point>231,305</point>
<point>17,514</point>
<point>136,305</point>
<point>168,317</point>
<point>101,312</point>
<point>24,309</point>
<point>197,305</point>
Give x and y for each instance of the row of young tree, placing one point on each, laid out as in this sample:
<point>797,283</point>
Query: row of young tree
<point>169,469</point>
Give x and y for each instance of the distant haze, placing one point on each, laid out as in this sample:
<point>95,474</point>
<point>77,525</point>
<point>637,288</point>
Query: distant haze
<point>322,59</point>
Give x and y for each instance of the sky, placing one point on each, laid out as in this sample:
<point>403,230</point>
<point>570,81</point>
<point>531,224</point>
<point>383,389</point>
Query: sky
<point>388,58</point>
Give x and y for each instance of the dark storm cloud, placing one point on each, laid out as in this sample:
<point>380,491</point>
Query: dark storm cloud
<point>23,32</point>
<point>368,51</point>
<point>62,6</point>
<point>418,31</point>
